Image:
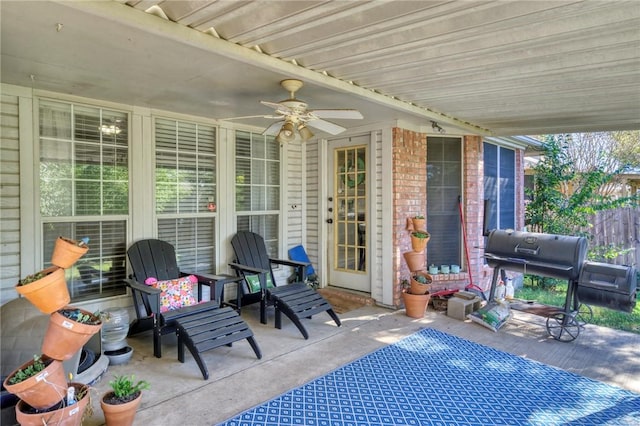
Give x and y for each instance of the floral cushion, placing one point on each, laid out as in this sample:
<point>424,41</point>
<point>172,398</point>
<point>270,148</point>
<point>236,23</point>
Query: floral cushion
<point>253,282</point>
<point>175,293</point>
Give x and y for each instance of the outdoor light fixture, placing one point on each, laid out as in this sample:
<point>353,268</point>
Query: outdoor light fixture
<point>435,126</point>
<point>305,133</point>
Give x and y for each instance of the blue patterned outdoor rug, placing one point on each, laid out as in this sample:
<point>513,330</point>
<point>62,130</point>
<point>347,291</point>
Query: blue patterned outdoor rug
<point>433,378</point>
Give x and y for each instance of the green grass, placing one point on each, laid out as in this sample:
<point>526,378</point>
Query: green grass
<point>601,316</point>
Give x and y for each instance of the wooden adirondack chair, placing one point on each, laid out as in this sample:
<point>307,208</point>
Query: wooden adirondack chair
<point>201,326</point>
<point>296,300</point>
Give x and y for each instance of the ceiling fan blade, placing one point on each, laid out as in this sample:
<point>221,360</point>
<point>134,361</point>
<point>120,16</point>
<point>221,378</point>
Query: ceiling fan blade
<point>338,113</point>
<point>326,126</point>
<point>277,106</point>
<point>272,117</point>
<point>274,129</point>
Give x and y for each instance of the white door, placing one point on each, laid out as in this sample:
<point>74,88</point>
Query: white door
<point>348,255</point>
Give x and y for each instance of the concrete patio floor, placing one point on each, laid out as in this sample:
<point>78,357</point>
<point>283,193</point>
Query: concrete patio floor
<point>238,381</point>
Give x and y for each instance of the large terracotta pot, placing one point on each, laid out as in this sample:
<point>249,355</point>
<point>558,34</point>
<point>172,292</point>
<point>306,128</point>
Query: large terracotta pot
<point>120,414</point>
<point>49,293</point>
<point>415,260</point>
<point>67,252</point>
<point>65,336</point>
<point>67,415</point>
<point>415,305</point>
<point>420,288</point>
<point>42,390</point>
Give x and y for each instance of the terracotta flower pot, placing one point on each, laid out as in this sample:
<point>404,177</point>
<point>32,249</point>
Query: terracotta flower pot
<point>415,305</point>
<point>418,287</point>
<point>419,243</point>
<point>49,293</point>
<point>418,224</point>
<point>120,414</point>
<point>67,252</point>
<point>65,336</point>
<point>42,390</point>
<point>415,260</point>
<point>66,415</point>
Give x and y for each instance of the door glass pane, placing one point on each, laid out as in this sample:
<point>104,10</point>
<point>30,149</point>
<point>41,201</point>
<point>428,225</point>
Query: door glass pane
<point>350,219</point>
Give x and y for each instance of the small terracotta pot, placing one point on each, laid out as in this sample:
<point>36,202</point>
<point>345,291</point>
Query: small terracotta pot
<point>120,414</point>
<point>67,252</point>
<point>43,390</point>
<point>48,294</point>
<point>415,305</point>
<point>419,244</point>
<point>415,261</point>
<point>65,337</point>
<point>419,288</point>
<point>418,224</point>
<point>70,415</point>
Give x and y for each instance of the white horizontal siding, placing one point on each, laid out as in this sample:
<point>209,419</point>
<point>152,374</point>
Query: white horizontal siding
<point>9,196</point>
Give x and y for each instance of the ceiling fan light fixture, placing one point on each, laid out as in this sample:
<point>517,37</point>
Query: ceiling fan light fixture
<point>305,133</point>
<point>286,133</point>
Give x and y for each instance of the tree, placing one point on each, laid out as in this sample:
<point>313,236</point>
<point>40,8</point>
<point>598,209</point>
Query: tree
<point>573,180</point>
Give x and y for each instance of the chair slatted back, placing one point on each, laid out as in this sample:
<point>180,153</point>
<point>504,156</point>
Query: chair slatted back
<point>153,258</point>
<point>250,250</point>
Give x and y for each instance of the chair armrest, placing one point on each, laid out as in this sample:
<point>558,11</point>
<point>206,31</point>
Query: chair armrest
<point>150,296</point>
<point>244,268</point>
<point>300,267</point>
<point>249,270</point>
<point>147,289</point>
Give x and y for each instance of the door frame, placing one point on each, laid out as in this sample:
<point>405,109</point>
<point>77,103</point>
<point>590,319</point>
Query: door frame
<point>325,191</point>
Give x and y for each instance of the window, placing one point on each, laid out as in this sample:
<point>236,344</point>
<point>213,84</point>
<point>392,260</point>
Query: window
<point>84,191</point>
<point>444,186</point>
<point>499,186</point>
<point>185,195</point>
<point>258,187</point>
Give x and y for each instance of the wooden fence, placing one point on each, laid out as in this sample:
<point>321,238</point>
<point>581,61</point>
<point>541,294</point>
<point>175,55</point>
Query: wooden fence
<point>620,227</point>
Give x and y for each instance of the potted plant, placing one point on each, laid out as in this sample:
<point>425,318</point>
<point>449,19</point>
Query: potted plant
<point>419,240</point>
<point>420,282</point>
<point>69,329</point>
<point>418,222</point>
<point>121,402</point>
<point>415,304</point>
<point>65,412</point>
<point>46,290</point>
<point>40,382</point>
<point>66,251</point>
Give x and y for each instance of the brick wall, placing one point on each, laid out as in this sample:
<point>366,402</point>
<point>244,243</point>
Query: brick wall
<point>409,195</point>
<point>410,199</point>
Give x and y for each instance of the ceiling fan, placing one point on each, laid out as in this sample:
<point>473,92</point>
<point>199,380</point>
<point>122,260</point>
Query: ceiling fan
<point>292,115</point>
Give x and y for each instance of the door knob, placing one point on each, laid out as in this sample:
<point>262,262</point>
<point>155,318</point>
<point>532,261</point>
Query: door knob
<point>329,220</point>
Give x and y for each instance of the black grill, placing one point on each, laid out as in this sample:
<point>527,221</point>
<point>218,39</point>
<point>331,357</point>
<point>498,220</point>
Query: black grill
<point>556,256</point>
<point>563,257</point>
<point>609,286</point>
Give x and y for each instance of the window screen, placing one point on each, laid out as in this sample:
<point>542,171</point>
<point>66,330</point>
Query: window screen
<point>499,186</point>
<point>444,186</point>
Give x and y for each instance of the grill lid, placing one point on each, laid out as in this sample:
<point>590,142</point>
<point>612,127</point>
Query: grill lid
<point>556,256</point>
